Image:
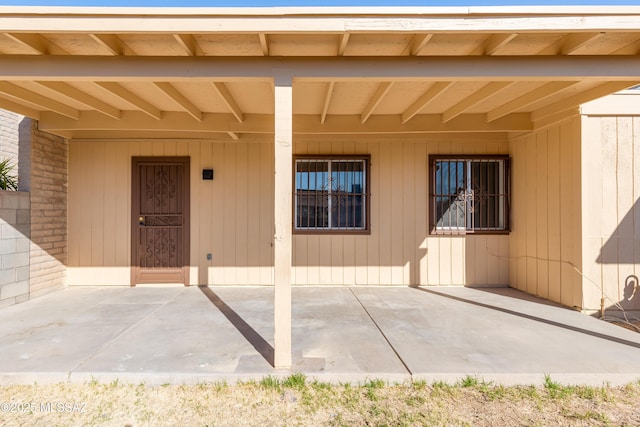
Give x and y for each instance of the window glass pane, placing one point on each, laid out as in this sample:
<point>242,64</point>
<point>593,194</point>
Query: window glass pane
<point>311,194</point>
<point>347,189</point>
<point>487,192</point>
<point>330,194</point>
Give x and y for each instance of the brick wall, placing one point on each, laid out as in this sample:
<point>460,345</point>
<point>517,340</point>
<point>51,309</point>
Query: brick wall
<point>14,247</point>
<point>49,171</point>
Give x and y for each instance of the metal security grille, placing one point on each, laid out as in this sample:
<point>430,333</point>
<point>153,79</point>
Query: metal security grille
<point>469,195</point>
<point>331,194</point>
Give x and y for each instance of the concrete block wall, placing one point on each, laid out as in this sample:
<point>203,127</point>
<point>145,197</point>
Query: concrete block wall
<point>14,247</point>
<point>48,186</point>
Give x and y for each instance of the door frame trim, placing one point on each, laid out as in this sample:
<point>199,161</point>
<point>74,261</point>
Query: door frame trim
<point>135,206</point>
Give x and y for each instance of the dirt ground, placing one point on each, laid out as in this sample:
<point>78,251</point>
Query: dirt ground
<point>298,401</point>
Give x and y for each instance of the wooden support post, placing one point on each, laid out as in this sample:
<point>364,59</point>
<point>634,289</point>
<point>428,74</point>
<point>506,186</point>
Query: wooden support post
<point>283,220</point>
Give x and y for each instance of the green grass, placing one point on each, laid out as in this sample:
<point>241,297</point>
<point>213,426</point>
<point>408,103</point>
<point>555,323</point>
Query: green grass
<point>295,381</point>
<point>270,383</point>
<point>557,390</point>
<point>469,381</point>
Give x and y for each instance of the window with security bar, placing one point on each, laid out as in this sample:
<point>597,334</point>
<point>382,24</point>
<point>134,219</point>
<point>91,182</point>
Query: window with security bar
<point>469,194</point>
<point>331,194</point>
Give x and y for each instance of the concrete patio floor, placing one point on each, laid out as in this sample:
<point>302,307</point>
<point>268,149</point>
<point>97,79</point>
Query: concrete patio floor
<point>198,334</point>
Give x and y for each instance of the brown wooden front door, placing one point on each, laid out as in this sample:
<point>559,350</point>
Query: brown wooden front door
<point>160,220</point>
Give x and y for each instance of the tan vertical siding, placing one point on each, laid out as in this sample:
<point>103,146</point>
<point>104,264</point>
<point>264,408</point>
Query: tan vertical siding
<point>611,219</point>
<point>232,217</point>
<point>399,250</point>
<point>546,213</point>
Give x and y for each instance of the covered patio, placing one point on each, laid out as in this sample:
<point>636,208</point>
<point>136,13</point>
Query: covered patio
<point>211,334</point>
<point>233,95</point>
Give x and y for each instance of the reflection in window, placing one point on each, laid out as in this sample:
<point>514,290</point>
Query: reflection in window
<point>331,194</point>
<point>469,195</point>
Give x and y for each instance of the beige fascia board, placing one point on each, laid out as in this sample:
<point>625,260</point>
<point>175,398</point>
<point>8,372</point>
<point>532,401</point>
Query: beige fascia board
<point>314,69</point>
<point>323,10</point>
<point>318,19</point>
<point>547,10</point>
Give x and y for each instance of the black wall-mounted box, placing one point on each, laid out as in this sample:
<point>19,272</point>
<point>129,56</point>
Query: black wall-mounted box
<point>207,174</point>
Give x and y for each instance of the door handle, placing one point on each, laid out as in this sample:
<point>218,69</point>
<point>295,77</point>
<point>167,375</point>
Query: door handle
<point>141,220</point>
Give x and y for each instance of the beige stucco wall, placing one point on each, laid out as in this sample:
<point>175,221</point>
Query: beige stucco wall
<point>611,198</point>
<point>545,243</point>
<point>232,216</point>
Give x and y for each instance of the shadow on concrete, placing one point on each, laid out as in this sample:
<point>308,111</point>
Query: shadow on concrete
<point>531,317</point>
<point>260,344</point>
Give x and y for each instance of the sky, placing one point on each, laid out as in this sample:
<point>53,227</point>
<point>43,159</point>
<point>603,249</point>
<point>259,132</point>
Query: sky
<point>267,3</point>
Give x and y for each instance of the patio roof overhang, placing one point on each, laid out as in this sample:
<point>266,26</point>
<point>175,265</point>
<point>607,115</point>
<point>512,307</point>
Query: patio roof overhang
<point>209,73</point>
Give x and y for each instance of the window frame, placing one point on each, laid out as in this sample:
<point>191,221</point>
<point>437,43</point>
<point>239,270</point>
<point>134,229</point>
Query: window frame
<point>366,194</point>
<point>433,158</point>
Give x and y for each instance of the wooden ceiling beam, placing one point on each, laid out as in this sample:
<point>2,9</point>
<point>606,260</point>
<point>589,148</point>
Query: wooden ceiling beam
<point>632,48</point>
<point>16,107</point>
<point>171,121</point>
<point>573,42</point>
<point>496,42</point>
<point>109,42</point>
<point>582,97</point>
<point>392,124</point>
<point>234,136</point>
<point>179,99</point>
<point>77,95</point>
<point>319,69</point>
<point>35,42</point>
<point>229,101</point>
<point>377,98</point>
<point>428,97</point>
<point>40,101</point>
<point>327,101</point>
<point>342,43</point>
<point>306,124</point>
<point>133,99</point>
<point>188,43</point>
<point>418,42</point>
<point>474,99</point>
<point>555,118</point>
<point>527,99</point>
<point>264,43</point>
